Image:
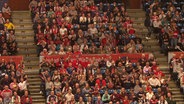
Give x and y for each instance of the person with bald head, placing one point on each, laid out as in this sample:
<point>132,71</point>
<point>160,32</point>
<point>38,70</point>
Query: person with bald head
<point>6,94</point>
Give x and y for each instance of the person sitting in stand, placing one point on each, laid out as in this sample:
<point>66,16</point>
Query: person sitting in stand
<point>52,98</point>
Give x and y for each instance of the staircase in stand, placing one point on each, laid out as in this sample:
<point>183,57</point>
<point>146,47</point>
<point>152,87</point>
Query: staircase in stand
<point>152,46</point>
<point>25,39</point>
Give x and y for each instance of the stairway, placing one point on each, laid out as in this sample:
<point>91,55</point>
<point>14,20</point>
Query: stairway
<point>152,46</point>
<point>25,39</point>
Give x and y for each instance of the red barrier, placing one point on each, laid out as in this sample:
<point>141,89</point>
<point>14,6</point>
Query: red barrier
<point>132,57</point>
<point>16,59</point>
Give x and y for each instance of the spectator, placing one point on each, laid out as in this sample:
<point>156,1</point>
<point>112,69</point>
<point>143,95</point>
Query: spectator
<point>52,99</point>
<point>10,26</point>
<point>154,82</point>
<point>169,99</point>
<point>6,11</point>
<point>106,97</point>
<point>99,101</point>
<point>22,86</point>
<point>2,21</point>
<point>6,94</point>
<point>26,98</point>
<point>15,98</point>
<point>162,100</point>
<point>69,95</point>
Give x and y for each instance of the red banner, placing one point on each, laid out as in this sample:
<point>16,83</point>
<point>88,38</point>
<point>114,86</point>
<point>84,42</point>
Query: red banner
<point>132,57</point>
<point>16,59</point>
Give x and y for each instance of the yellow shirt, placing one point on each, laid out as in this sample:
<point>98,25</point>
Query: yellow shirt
<point>9,26</point>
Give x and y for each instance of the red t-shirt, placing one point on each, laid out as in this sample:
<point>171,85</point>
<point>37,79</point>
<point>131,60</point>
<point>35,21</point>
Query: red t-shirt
<point>101,83</point>
<point>153,101</point>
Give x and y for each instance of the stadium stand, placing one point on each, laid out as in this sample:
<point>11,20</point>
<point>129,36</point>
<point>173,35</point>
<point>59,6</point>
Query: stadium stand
<point>94,52</point>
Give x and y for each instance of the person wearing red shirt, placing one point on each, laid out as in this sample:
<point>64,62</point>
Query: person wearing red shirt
<point>26,99</point>
<point>174,39</point>
<point>154,100</point>
<point>126,100</point>
<point>6,95</point>
<point>101,82</point>
<point>127,23</point>
<point>115,97</point>
<point>158,72</point>
<point>63,70</point>
<point>93,8</point>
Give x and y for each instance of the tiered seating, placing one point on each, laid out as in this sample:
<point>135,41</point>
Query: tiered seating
<point>13,80</point>
<point>176,68</point>
<point>13,83</point>
<point>8,44</point>
<point>167,20</point>
<point>83,27</point>
<point>80,79</point>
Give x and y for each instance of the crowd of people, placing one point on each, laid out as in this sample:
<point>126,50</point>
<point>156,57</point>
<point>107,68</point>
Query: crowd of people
<point>104,81</point>
<point>165,18</point>
<point>176,70</point>
<point>82,26</point>
<point>8,44</point>
<point>13,83</point>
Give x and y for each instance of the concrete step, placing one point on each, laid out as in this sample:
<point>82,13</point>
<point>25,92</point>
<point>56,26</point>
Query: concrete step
<point>29,55</point>
<point>175,96</point>
<point>136,14</point>
<point>162,59</point>
<point>162,63</point>
<point>25,43</point>
<point>34,86</point>
<point>38,97</point>
<point>31,50</point>
<point>36,93</point>
<point>25,35</point>
<point>19,20</point>
<point>136,19</point>
<point>31,58</point>
<point>39,101</point>
<point>179,99</point>
<point>32,67</point>
<point>30,75</point>
<point>19,16</point>
<point>22,22</point>
<point>26,46</point>
<point>24,29</point>
<point>26,52</point>
<point>27,40</point>
<point>179,102</point>
<point>155,43</point>
<point>24,32</point>
<point>21,12</point>
<point>35,83</point>
<point>31,64</point>
<point>30,80</point>
<point>23,26</point>
<point>152,48</point>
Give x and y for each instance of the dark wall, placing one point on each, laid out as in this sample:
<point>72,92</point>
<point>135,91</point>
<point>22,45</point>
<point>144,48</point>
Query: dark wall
<point>18,4</point>
<point>134,4</point>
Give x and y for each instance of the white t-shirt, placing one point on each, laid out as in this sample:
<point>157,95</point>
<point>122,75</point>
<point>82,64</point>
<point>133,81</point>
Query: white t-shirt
<point>62,31</point>
<point>69,97</point>
<point>23,85</point>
